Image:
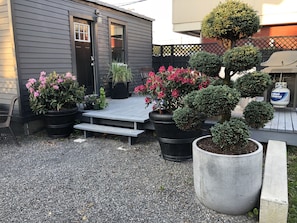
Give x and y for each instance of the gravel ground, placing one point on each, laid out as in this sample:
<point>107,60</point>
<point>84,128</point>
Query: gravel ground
<point>99,180</point>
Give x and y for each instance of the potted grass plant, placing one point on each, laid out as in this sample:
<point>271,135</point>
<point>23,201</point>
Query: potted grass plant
<point>120,75</point>
<point>227,164</point>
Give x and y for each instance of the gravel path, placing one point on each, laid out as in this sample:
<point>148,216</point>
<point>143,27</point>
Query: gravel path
<point>99,180</point>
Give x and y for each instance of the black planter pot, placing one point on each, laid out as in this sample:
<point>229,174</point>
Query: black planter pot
<point>59,124</point>
<point>176,145</point>
<point>119,90</point>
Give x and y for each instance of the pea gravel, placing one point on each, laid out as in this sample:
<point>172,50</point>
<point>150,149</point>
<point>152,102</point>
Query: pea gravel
<point>100,180</point>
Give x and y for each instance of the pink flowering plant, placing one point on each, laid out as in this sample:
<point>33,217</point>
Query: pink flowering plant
<point>54,92</point>
<point>166,88</point>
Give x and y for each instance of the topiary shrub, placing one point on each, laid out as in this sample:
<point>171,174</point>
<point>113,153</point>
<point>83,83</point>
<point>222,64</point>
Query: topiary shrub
<point>187,120</point>
<point>206,63</point>
<point>225,99</point>
<point>253,85</point>
<point>241,58</point>
<point>256,114</point>
<point>229,22</point>
<point>232,135</point>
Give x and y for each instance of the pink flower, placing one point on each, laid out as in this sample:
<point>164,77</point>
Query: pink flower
<point>60,80</point>
<point>147,100</point>
<point>162,69</point>
<point>68,75</point>
<point>56,87</point>
<point>170,69</point>
<point>30,82</point>
<point>175,93</point>
<point>151,74</point>
<point>161,95</point>
<point>36,94</point>
<point>139,89</point>
<point>31,90</point>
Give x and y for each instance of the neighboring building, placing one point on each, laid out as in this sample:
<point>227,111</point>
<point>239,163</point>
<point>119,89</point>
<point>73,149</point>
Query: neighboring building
<point>277,17</point>
<point>80,36</point>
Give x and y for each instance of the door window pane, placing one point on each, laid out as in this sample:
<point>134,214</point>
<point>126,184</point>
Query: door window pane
<point>81,32</point>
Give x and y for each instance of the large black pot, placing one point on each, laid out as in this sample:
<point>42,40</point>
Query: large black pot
<point>176,145</point>
<point>119,90</point>
<point>59,124</point>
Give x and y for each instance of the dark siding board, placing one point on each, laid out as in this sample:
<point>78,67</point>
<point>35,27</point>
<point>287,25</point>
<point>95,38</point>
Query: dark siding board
<point>43,44</point>
<point>27,50</point>
<point>41,31</point>
<point>50,25</point>
<point>46,55</point>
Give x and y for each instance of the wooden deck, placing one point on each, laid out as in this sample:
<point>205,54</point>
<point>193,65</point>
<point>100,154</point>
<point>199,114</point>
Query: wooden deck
<point>283,127</point>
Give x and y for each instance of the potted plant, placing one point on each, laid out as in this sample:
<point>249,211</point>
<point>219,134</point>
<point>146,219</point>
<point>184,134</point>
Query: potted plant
<point>120,75</point>
<point>56,97</point>
<point>95,101</point>
<point>227,164</point>
<point>165,89</point>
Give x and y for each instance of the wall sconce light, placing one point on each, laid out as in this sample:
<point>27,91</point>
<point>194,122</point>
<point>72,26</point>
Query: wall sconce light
<point>98,17</point>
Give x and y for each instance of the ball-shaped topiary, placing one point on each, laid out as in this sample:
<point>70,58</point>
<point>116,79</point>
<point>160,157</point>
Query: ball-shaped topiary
<point>241,58</point>
<point>206,63</point>
<point>257,113</point>
<point>216,100</point>
<point>230,135</point>
<point>231,20</point>
<point>253,84</point>
<point>187,119</point>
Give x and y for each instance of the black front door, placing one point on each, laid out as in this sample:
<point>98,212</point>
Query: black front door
<point>84,54</point>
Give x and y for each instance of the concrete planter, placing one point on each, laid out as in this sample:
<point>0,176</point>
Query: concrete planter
<point>229,184</point>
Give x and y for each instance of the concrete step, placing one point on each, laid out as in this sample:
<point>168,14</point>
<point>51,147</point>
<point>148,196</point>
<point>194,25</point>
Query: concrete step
<point>274,194</point>
<point>131,133</point>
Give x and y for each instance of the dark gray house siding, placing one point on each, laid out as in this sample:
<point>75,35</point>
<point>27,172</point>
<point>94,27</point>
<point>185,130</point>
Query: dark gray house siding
<point>43,38</point>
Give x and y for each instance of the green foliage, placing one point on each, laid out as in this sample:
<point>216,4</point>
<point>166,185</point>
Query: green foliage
<point>231,20</point>
<point>241,58</point>
<point>216,100</point>
<point>186,119</point>
<point>119,72</point>
<point>96,102</point>
<point>257,113</point>
<point>206,63</point>
<point>292,184</point>
<point>253,84</point>
<point>230,135</point>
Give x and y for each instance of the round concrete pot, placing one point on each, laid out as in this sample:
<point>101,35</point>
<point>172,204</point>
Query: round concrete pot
<point>228,184</point>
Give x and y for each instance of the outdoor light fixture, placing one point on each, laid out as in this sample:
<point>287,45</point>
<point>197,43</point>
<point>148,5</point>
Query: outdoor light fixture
<point>98,17</point>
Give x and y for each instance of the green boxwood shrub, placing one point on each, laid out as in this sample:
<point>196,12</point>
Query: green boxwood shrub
<point>230,135</point>
<point>206,63</point>
<point>257,113</point>
<point>253,84</point>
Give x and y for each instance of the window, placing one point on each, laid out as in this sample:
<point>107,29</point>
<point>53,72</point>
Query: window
<point>117,41</point>
<point>81,32</point>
